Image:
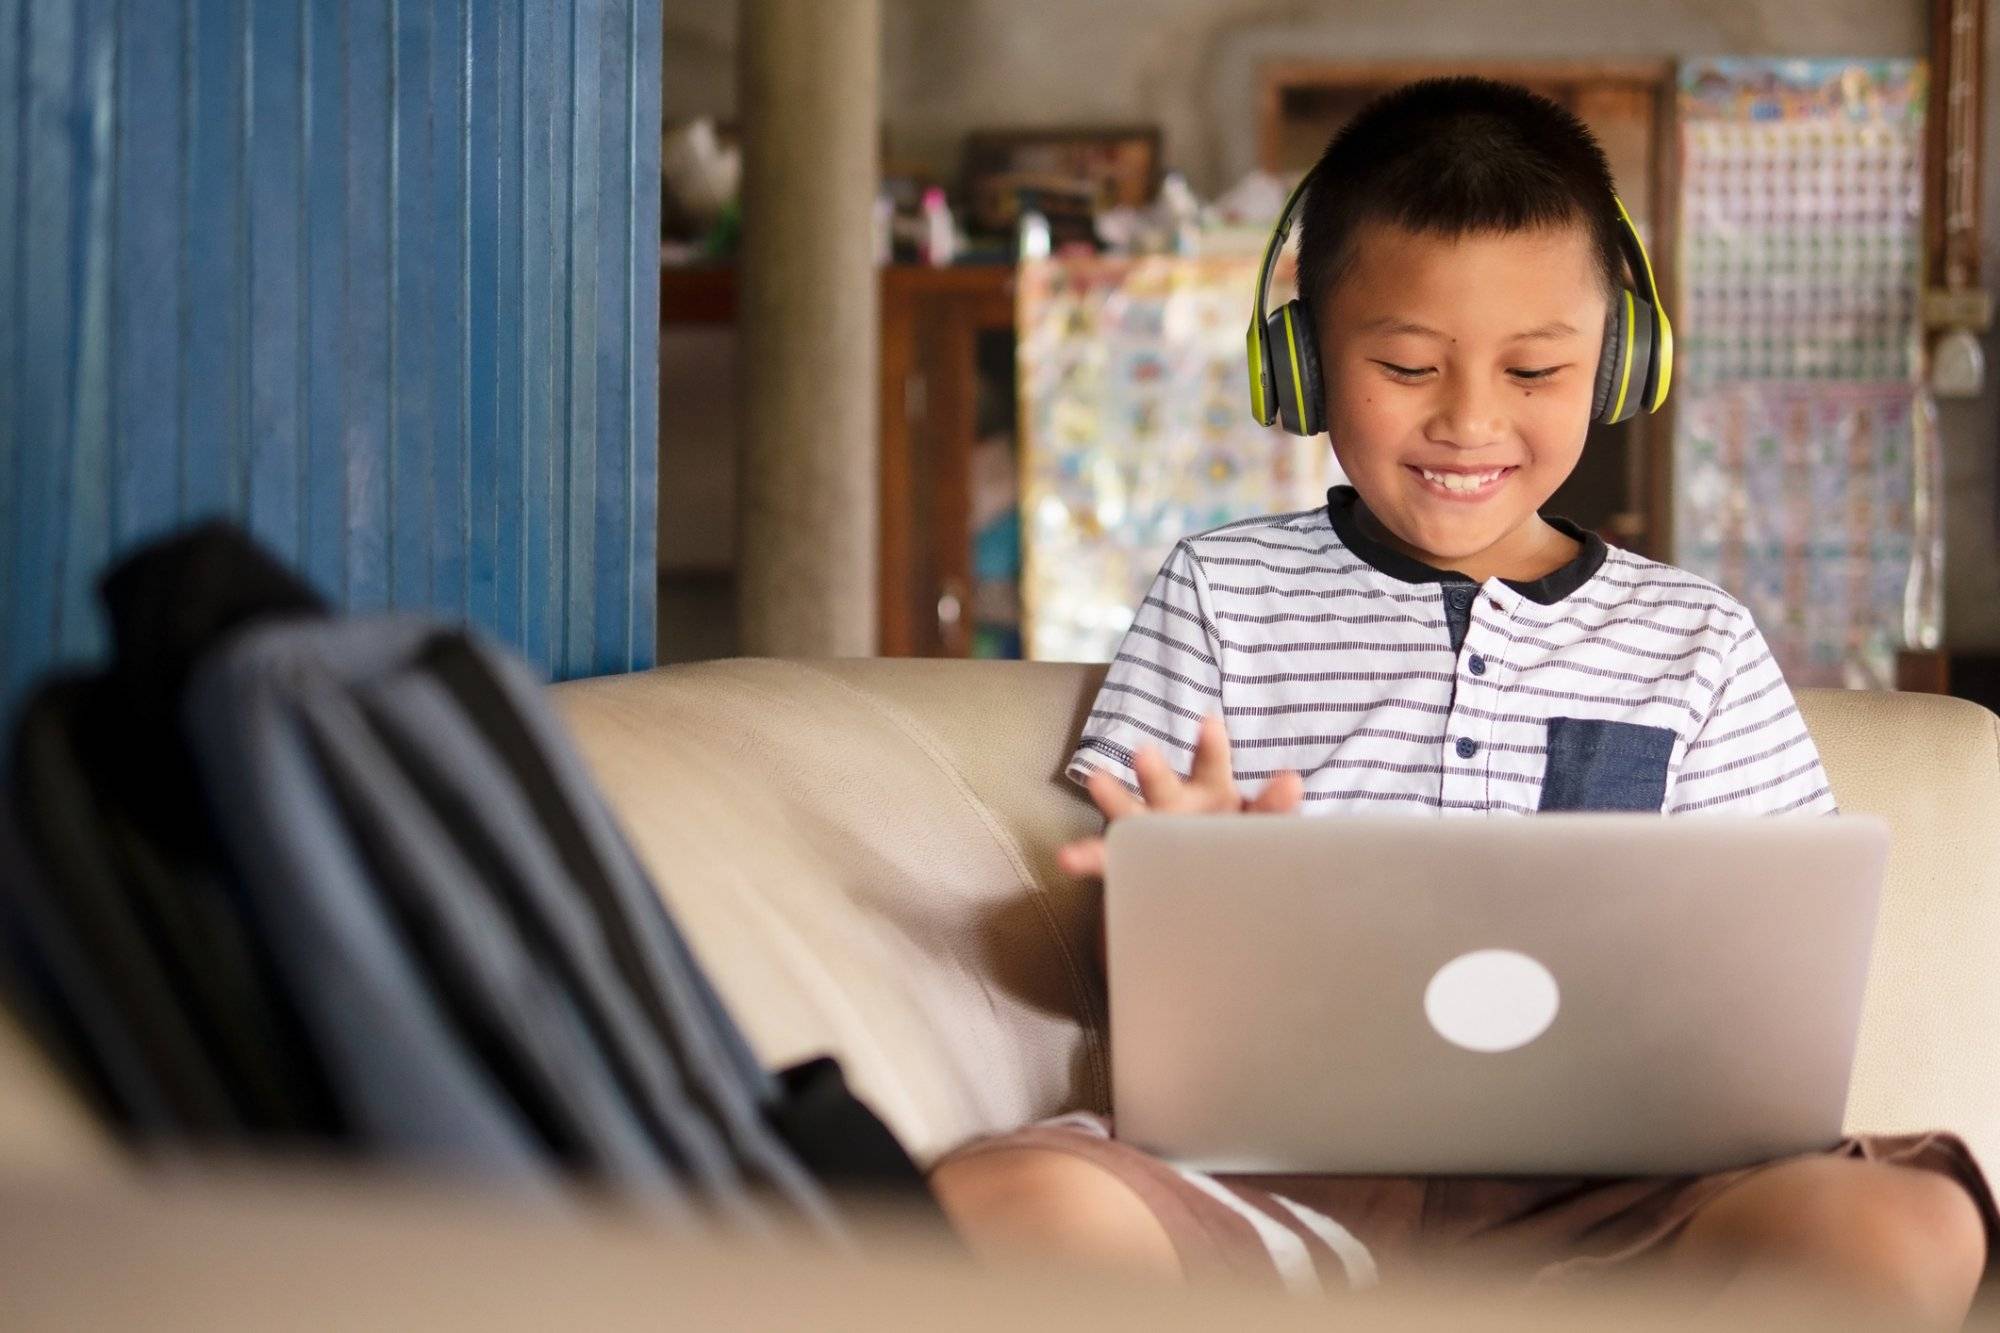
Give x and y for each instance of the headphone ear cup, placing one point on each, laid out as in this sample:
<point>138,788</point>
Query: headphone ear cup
<point>1278,357</point>
<point>1312,413</point>
<point>1640,336</point>
<point>1294,354</point>
<point>1616,335</point>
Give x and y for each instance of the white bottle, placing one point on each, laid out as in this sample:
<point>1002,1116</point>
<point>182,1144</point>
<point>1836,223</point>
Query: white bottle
<point>885,229</point>
<point>1034,241</point>
<point>940,243</point>
<point>1181,212</point>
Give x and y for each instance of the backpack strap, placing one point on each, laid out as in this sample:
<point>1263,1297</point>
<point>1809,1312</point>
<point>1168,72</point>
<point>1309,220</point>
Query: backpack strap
<point>840,1139</point>
<point>649,948</point>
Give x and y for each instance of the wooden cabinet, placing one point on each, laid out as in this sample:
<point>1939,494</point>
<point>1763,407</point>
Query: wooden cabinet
<point>936,323</point>
<point>946,383</point>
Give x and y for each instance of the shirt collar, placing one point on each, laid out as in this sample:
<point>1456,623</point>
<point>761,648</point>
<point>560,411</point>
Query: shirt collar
<point>1342,501</point>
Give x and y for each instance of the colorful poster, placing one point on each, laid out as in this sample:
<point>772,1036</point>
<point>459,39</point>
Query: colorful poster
<point>1135,432</point>
<point>1810,512</point>
<point>1805,472</point>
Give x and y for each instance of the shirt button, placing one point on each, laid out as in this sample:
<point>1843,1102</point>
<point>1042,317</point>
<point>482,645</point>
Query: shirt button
<point>1477,666</point>
<point>1467,747</point>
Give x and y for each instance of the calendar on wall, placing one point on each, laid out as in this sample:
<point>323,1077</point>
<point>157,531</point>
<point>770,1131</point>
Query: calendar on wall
<point>1135,432</point>
<point>1805,451</point>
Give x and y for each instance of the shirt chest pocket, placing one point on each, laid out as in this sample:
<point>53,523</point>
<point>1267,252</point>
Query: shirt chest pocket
<point>1599,765</point>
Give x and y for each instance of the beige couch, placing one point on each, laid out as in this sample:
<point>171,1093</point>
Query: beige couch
<point>863,855</point>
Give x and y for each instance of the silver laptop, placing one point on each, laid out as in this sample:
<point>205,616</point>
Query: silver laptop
<point>1566,994</point>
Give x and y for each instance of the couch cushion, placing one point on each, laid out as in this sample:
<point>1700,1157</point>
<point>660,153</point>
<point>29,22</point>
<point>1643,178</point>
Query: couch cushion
<point>860,854</point>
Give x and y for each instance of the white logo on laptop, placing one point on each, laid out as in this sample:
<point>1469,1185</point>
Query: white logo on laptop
<point>1491,1000</point>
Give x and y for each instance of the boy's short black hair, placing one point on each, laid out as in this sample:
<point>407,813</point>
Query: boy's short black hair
<point>1455,157</point>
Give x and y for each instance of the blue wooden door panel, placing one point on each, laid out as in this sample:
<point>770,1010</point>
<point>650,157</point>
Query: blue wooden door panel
<point>87,534</point>
<point>45,358</point>
<point>146,368</point>
<point>374,277</point>
<point>324,286</point>
<point>275,142</point>
<point>483,209</point>
<point>509,287</point>
<point>13,75</point>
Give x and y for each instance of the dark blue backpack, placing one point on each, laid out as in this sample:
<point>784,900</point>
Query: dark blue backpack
<point>284,878</point>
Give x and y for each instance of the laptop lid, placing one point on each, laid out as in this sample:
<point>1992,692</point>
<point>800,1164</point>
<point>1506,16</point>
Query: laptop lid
<point>1568,994</point>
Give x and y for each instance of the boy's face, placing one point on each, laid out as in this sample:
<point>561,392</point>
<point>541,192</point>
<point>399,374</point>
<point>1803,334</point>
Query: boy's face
<point>1459,375</point>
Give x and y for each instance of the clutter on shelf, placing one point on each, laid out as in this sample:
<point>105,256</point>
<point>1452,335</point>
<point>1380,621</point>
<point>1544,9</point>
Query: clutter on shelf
<point>701,178</point>
<point>1020,194</point>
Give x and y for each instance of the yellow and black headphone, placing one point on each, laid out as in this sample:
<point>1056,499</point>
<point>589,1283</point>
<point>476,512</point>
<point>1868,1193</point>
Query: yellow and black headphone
<point>1633,372</point>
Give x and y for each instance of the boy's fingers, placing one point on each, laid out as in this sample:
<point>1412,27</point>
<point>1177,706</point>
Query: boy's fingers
<point>1113,799</point>
<point>1211,757</point>
<point>1083,858</point>
<point>1281,795</point>
<point>1158,782</point>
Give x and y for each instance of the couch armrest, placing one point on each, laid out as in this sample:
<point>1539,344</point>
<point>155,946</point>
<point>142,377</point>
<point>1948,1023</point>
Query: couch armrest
<point>1930,766</point>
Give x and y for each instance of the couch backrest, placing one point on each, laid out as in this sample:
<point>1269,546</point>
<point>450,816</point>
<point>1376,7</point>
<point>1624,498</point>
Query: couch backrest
<point>863,854</point>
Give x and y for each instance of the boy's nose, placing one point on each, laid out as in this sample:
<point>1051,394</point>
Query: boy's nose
<point>1467,417</point>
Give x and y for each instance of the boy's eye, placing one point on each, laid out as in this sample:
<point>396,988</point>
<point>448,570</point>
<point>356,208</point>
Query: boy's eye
<point>1533,375</point>
<point>1404,372</point>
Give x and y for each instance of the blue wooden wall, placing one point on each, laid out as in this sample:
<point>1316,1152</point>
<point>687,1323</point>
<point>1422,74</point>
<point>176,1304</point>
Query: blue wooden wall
<point>377,277</point>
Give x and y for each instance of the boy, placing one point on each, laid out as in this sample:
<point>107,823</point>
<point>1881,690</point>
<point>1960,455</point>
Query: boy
<point>1429,643</point>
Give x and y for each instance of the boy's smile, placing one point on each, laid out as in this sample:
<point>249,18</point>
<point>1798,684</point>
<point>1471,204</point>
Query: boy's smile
<point>1459,375</point>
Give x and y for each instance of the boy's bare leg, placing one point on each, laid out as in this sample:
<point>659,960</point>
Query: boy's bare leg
<point>1907,1240</point>
<point>1040,1203</point>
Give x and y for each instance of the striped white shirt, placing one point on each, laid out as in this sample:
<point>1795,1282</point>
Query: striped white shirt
<point>1614,683</point>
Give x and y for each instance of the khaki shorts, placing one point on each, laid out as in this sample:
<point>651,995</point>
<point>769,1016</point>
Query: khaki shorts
<point>1316,1232</point>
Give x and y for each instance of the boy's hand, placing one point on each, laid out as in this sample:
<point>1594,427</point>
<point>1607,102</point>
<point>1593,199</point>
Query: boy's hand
<point>1210,789</point>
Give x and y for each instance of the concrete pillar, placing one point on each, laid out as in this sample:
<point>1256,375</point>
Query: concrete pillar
<point>808,333</point>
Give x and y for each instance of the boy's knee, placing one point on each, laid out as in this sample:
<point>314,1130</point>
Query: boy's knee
<point>1926,1231</point>
<point>1915,1238</point>
<point>1909,1237</point>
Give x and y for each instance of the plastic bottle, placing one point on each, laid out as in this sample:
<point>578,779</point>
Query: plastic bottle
<point>1181,212</point>
<point>940,242</point>
<point>1034,236</point>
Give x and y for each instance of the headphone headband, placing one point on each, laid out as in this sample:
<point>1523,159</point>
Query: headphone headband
<point>1276,245</point>
<point>1636,257</point>
<point>1261,404</point>
<point>1661,369</point>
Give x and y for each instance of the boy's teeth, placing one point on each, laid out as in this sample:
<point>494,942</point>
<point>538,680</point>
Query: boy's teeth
<point>1460,481</point>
